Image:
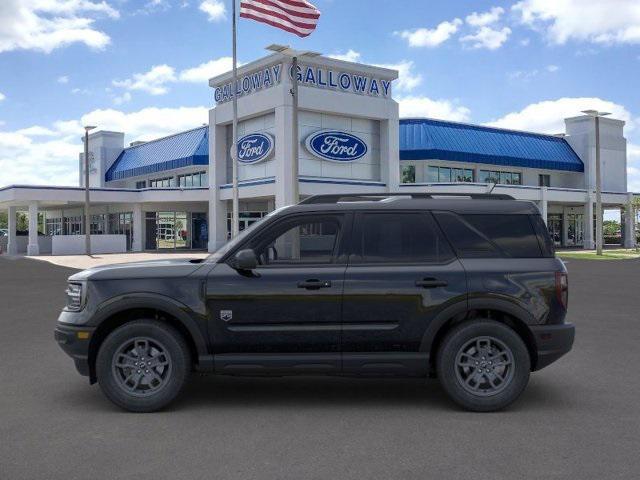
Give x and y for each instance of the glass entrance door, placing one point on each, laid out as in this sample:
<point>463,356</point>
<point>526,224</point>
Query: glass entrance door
<point>554,224</point>
<point>575,229</point>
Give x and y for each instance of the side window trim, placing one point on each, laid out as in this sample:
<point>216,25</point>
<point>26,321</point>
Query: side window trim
<point>341,218</point>
<point>354,258</point>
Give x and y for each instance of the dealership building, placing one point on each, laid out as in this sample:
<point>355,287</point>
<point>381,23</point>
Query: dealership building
<point>175,193</point>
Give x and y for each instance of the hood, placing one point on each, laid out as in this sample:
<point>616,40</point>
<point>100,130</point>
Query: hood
<point>173,268</point>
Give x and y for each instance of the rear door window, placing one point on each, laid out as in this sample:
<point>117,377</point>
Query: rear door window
<point>399,238</point>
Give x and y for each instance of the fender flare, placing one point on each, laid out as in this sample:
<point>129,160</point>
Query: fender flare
<point>156,301</point>
<point>465,306</point>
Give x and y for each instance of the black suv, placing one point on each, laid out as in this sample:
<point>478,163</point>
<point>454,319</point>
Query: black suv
<point>465,288</point>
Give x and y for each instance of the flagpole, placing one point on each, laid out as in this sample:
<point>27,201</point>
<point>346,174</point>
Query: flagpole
<point>235,221</point>
<point>294,132</point>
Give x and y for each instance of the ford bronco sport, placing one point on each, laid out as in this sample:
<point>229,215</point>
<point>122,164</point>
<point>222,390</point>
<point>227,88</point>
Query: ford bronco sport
<point>465,288</point>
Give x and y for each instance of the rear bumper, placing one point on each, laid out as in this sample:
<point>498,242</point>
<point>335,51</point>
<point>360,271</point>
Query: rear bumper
<point>75,345</point>
<point>552,342</point>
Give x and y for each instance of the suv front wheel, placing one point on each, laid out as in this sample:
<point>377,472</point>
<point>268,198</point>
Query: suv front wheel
<point>483,365</point>
<point>143,365</point>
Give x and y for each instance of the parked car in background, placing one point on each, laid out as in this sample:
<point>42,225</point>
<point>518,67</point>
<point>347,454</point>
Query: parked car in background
<point>465,288</point>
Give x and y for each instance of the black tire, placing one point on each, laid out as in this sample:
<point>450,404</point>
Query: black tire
<point>135,390</point>
<point>458,365</point>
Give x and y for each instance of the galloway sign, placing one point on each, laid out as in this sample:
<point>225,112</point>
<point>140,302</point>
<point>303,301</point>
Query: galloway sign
<point>328,78</point>
<point>255,147</point>
<point>248,84</point>
<point>336,146</point>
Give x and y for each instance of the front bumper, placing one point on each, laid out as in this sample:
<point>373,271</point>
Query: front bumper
<point>75,342</point>
<point>552,342</point>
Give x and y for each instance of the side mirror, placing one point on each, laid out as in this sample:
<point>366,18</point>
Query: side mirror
<point>245,260</point>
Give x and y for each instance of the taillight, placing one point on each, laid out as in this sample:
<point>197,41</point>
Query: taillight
<point>562,288</point>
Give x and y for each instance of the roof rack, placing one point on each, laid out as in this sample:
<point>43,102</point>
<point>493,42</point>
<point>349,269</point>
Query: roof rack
<point>377,197</point>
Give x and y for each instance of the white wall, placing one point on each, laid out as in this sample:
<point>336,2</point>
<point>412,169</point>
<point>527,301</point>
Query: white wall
<point>74,244</point>
<point>104,147</point>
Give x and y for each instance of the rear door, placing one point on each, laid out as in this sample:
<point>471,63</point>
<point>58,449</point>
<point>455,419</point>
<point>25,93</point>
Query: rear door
<point>402,272</point>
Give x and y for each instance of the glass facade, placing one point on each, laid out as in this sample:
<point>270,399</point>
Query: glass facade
<point>162,182</point>
<point>190,180</point>
<point>176,230</point>
<point>503,178</point>
<point>448,174</point>
<point>408,174</point>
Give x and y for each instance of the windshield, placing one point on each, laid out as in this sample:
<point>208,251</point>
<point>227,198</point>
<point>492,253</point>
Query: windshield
<point>231,244</point>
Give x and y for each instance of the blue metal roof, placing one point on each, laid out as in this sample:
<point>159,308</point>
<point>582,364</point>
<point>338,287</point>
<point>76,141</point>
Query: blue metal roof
<point>176,151</point>
<point>427,139</point>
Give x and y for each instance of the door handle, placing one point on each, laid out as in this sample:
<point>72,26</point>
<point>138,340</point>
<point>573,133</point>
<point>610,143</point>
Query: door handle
<point>314,284</point>
<point>430,283</point>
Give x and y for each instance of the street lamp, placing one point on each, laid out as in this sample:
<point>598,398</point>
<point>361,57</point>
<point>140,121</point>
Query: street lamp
<point>294,55</point>
<point>87,216</point>
<point>596,114</point>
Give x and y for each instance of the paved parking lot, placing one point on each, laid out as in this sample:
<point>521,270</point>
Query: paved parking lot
<point>579,418</point>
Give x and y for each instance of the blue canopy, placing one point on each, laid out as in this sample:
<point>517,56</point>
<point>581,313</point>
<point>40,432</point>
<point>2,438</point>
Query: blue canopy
<point>183,149</point>
<point>427,139</point>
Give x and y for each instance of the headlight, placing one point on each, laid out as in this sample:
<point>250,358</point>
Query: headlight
<point>75,297</point>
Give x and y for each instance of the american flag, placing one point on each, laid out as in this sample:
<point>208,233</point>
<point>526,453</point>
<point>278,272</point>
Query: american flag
<point>294,16</point>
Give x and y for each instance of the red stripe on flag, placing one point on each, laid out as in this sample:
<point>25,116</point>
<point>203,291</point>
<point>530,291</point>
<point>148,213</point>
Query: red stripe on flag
<point>273,13</point>
<point>278,6</point>
<point>274,24</point>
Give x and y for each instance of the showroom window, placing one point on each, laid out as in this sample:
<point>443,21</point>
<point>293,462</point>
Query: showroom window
<point>190,180</point>
<point>448,174</point>
<point>162,182</point>
<point>502,178</point>
<point>408,174</point>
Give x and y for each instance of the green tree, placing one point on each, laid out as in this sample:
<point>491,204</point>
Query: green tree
<point>3,220</point>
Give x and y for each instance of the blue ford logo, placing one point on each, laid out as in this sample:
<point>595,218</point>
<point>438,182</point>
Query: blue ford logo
<point>255,147</point>
<point>336,146</point>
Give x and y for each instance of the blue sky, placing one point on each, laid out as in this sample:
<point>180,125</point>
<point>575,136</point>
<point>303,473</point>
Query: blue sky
<point>142,66</point>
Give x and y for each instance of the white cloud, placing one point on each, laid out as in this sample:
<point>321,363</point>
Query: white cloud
<point>63,79</point>
<point>552,68</point>
<point>525,42</point>
<point>420,106</point>
<point>120,99</point>
<point>486,18</point>
<point>2,96</point>
<point>45,25</point>
<point>154,81</point>
<point>48,155</point>
<point>596,21</point>
<point>214,9</point>
<point>407,78</point>
<point>424,37</point>
<point>487,37</point>
<point>203,72</point>
<point>548,116</point>
<point>349,56</point>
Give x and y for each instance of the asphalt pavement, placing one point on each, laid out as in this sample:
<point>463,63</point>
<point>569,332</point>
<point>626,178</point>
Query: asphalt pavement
<point>578,419</point>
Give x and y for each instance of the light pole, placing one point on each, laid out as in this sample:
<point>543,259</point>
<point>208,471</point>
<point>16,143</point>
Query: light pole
<point>294,54</point>
<point>596,114</point>
<point>87,216</point>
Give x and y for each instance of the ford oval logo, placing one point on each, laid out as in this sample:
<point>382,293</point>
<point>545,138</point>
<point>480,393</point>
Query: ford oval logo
<point>336,146</point>
<point>255,147</point>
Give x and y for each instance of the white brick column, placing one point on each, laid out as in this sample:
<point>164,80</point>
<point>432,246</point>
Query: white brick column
<point>12,246</point>
<point>284,157</point>
<point>33,248</point>
<point>629,224</point>
<point>589,241</point>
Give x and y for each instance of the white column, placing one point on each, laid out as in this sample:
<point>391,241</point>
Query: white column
<point>218,209</point>
<point>629,224</point>
<point>390,151</point>
<point>284,157</point>
<point>12,246</point>
<point>543,204</point>
<point>589,241</point>
<point>33,248</point>
<point>138,220</point>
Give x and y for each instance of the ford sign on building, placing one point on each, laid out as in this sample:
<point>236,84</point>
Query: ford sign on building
<point>336,146</point>
<point>255,148</point>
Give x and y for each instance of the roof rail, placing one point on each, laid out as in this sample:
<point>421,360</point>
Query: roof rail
<point>373,197</point>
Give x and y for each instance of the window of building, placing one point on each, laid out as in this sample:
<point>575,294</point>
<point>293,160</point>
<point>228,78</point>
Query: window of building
<point>53,226</point>
<point>98,224</point>
<point>544,180</point>
<point>141,184</point>
<point>503,178</point>
<point>162,182</point>
<point>408,174</point>
<point>190,180</point>
<point>304,240</point>
<point>400,238</point>
<point>447,174</point>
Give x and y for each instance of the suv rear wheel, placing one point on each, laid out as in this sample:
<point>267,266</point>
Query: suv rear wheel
<point>483,365</point>
<point>142,366</point>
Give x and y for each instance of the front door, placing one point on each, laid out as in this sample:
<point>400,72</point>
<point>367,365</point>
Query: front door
<point>289,308</point>
<point>402,272</point>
